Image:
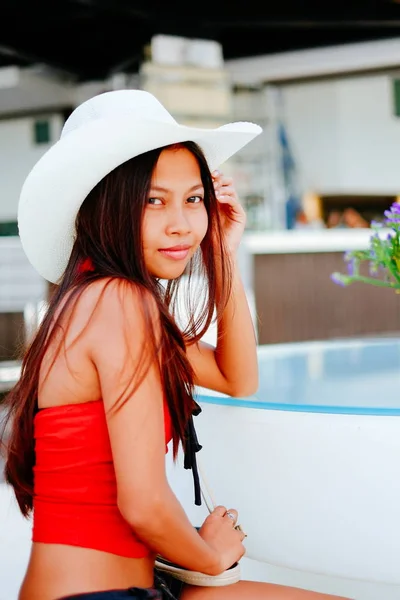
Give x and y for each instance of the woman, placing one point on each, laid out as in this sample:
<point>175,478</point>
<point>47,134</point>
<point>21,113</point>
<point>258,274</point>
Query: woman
<point>120,204</point>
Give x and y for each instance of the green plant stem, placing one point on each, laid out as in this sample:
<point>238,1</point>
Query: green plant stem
<point>372,281</point>
<point>389,265</point>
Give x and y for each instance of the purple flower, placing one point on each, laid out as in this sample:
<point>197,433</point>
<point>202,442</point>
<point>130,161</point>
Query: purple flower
<point>392,215</point>
<point>393,220</point>
<point>338,278</point>
<point>351,267</point>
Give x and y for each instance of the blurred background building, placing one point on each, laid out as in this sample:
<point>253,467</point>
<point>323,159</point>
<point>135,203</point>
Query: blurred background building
<point>323,84</point>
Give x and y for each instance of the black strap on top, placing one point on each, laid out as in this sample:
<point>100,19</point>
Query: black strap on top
<point>191,447</point>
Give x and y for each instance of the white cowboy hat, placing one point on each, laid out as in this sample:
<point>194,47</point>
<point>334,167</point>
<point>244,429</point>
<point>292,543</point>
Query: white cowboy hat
<point>100,134</point>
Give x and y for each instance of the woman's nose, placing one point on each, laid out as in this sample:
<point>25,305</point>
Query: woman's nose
<point>178,222</point>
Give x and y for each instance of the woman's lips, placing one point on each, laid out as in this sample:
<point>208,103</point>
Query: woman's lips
<point>176,252</point>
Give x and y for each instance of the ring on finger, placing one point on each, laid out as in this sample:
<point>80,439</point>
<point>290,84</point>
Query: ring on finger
<point>239,528</point>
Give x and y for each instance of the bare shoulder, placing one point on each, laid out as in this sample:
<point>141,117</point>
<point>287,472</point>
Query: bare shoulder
<point>108,291</point>
<point>112,301</point>
<point>123,319</point>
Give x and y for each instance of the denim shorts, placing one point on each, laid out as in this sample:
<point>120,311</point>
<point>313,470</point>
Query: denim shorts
<point>166,588</point>
<point>129,594</point>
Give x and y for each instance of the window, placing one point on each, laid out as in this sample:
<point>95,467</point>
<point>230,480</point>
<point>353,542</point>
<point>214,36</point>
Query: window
<point>42,131</point>
<point>8,228</point>
<point>396,97</point>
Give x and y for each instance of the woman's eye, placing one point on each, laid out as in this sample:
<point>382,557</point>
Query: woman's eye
<point>195,199</point>
<point>154,201</point>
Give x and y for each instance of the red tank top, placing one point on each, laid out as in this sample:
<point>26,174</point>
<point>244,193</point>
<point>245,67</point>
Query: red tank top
<point>75,491</point>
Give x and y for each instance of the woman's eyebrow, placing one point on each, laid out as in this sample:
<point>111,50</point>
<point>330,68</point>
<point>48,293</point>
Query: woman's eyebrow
<point>158,188</point>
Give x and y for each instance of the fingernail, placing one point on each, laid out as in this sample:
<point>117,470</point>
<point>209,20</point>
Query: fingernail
<point>217,193</point>
<point>216,173</point>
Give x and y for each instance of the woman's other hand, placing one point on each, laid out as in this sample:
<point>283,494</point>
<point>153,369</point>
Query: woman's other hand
<point>218,531</point>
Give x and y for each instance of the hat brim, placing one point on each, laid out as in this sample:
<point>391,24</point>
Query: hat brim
<point>60,181</point>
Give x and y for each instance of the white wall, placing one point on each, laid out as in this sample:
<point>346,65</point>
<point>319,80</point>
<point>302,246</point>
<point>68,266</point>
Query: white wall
<point>20,284</point>
<point>370,135</point>
<point>344,134</point>
<point>18,154</point>
<point>315,62</point>
<point>32,89</point>
<point>309,113</point>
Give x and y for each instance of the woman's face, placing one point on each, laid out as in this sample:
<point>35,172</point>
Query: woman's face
<point>175,219</point>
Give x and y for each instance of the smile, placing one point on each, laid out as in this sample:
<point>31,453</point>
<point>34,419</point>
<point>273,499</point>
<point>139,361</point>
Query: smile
<point>176,253</point>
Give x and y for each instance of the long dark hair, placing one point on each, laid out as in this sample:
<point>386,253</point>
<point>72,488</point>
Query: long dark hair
<point>109,233</point>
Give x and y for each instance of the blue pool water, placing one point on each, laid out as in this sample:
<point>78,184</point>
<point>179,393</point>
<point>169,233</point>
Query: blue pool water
<point>347,377</point>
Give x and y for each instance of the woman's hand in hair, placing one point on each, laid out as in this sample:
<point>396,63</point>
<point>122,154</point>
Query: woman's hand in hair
<point>233,216</point>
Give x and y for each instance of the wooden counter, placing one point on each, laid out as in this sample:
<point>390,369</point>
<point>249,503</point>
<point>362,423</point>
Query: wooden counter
<point>295,299</point>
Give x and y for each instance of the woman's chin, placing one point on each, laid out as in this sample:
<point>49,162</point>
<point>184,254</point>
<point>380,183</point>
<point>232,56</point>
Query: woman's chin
<point>169,274</point>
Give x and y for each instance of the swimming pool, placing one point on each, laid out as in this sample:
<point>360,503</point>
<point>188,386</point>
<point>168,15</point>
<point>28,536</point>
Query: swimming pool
<point>312,460</point>
<point>346,377</point>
